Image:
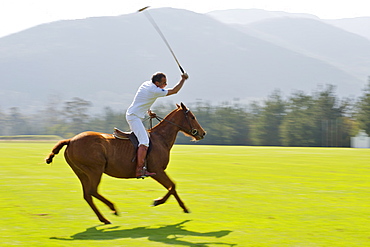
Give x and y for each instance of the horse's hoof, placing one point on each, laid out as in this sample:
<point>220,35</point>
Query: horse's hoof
<point>106,222</point>
<point>155,203</point>
<point>186,211</point>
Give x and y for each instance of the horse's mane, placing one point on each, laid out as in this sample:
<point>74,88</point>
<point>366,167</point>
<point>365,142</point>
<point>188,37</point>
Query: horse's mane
<point>168,117</point>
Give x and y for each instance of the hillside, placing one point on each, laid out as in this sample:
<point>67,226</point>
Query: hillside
<point>313,38</point>
<point>105,59</point>
<point>357,25</point>
<point>247,16</point>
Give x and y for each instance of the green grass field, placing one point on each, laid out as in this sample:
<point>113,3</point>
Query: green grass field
<point>238,196</point>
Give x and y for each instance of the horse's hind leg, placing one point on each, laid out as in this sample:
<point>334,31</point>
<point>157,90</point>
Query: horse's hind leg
<point>94,193</point>
<point>163,179</point>
<point>89,187</point>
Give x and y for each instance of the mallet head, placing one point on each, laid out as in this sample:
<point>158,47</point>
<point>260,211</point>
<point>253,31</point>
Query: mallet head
<point>142,9</point>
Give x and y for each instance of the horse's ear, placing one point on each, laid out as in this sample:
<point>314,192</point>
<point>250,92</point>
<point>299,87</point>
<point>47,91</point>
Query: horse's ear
<point>183,106</point>
<point>177,105</point>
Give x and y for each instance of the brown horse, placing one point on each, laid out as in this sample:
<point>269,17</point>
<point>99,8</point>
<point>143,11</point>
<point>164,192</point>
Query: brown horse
<point>90,154</point>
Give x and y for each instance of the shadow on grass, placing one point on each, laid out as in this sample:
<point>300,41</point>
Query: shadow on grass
<point>170,234</point>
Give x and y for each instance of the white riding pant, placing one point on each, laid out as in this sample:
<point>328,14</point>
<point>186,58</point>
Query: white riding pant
<point>137,126</point>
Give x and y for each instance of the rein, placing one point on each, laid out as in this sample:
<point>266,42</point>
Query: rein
<point>191,131</point>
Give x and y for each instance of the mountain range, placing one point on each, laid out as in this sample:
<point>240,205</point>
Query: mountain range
<point>105,59</point>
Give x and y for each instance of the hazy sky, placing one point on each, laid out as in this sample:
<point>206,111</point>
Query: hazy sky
<point>17,15</point>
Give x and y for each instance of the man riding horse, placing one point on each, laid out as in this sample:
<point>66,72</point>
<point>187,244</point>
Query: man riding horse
<point>145,97</point>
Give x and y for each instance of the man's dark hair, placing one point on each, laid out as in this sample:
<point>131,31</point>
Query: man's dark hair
<point>158,77</point>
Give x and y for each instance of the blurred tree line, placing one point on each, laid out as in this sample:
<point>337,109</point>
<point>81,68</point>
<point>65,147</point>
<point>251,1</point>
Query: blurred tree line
<point>320,119</point>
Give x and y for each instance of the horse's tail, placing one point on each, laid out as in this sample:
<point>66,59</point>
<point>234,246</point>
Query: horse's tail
<point>56,150</point>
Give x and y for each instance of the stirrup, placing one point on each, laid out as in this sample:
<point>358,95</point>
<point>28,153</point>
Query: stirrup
<point>145,173</point>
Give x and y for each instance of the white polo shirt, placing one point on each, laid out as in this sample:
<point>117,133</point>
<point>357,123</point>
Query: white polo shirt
<point>145,96</point>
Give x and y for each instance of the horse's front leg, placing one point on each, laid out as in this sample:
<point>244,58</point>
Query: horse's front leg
<point>164,180</point>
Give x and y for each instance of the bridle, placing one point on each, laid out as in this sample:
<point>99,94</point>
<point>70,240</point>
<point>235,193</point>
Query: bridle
<point>192,131</point>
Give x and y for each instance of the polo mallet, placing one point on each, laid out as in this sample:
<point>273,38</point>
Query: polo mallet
<point>154,24</point>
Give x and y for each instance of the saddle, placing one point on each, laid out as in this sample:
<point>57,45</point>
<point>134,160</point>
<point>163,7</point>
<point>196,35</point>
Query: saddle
<point>119,134</point>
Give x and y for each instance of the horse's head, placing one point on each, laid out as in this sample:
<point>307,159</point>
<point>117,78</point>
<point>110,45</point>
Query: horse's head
<point>191,126</point>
